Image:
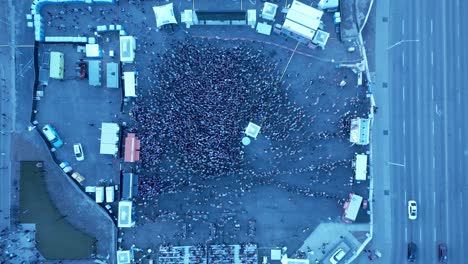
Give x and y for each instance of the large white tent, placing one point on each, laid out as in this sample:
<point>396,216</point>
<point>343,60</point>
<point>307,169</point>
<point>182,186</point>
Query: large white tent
<point>109,138</point>
<point>129,84</point>
<point>164,15</point>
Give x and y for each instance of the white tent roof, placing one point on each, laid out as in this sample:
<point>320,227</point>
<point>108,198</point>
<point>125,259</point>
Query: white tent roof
<point>127,48</point>
<point>361,167</point>
<point>129,84</point>
<point>252,130</point>
<point>164,15</point>
<point>353,207</point>
<point>109,138</point>
<point>93,51</point>
<point>302,19</point>
<point>125,214</point>
<point>123,257</point>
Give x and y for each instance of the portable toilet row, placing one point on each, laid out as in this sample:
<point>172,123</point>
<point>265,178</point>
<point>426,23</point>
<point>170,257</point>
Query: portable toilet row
<point>99,192</point>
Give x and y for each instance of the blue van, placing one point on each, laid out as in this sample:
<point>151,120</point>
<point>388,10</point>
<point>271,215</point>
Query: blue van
<point>51,135</point>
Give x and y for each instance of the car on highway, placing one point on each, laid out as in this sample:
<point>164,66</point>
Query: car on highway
<point>52,136</point>
<point>412,249</point>
<point>443,253</point>
<point>78,150</point>
<point>337,256</point>
<point>412,210</point>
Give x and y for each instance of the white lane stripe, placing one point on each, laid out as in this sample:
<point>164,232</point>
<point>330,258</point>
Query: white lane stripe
<point>420,234</point>
<point>434,198</point>
<point>435,234</point>
<point>403,93</point>
<point>406,235</point>
<point>403,27</point>
<point>432,27</point>
<point>403,59</point>
<point>417,26</point>
<point>417,57</point>
<point>432,58</point>
<point>404,127</point>
<point>432,91</point>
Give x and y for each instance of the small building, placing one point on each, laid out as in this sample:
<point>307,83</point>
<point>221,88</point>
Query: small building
<point>129,84</point>
<point>328,5</point>
<point>99,194</point>
<point>359,131</point>
<point>217,18</point>
<point>109,194</point>
<point>57,62</point>
<point>109,138</point>
<point>112,73</point>
<point>129,186</point>
<point>352,206</point>
<point>127,49</point>
<point>264,28</point>
<point>93,51</point>
<point>321,38</point>
<point>132,148</point>
<point>164,15</point>
<point>252,130</point>
<point>124,257</point>
<point>360,167</point>
<point>125,217</point>
<point>269,11</point>
<point>302,21</point>
<point>94,73</point>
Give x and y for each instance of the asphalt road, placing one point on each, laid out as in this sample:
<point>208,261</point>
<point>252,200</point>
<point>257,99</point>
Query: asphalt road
<point>427,123</point>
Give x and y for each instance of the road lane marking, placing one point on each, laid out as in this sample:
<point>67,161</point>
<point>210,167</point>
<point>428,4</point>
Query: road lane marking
<point>403,59</point>
<point>406,234</point>
<point>434,198</point>
<point>417,26</point>
<point>403,93</point>
<point>419,163</point>
<point>403,27</point>
<point>432,27</point>
<point>458,30</point>
<point>432,58</point>
<point>417,57</point>
<point>433,128</point>
<point>435,234</point>
<point>420,234</point>
<point>432,91</point>
<point>404,128</point>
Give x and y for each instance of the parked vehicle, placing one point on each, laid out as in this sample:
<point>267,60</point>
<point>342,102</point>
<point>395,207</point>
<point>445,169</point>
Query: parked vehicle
<point>65,166</point>
<point>337,256</point>
<point>78,150</point>
<point>412,249</point>
<point>78,177</point>
<point>52,136</point>
<point>443,252</point>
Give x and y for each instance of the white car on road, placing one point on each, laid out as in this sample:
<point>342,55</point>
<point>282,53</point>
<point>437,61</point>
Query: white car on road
<point>78,152</point>
<point>412,210</point>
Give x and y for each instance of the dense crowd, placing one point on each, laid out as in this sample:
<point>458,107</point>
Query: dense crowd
<point>203,99</point>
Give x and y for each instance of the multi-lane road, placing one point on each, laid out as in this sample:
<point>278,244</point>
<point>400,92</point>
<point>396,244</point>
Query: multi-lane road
<point>425,154</point>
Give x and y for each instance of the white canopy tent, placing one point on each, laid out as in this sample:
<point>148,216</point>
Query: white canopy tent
<point>109,138</point>
<point>127,49</point>
<point>164,15</point>
<point>125,214</point>
<point>360,169</point>
<point>129,84</point>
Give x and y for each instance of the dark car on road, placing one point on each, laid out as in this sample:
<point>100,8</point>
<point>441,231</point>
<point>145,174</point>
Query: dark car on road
<point>412,248</point>
<point>443,252</point>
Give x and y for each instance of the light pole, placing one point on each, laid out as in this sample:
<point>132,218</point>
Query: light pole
<point>402,41</point>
